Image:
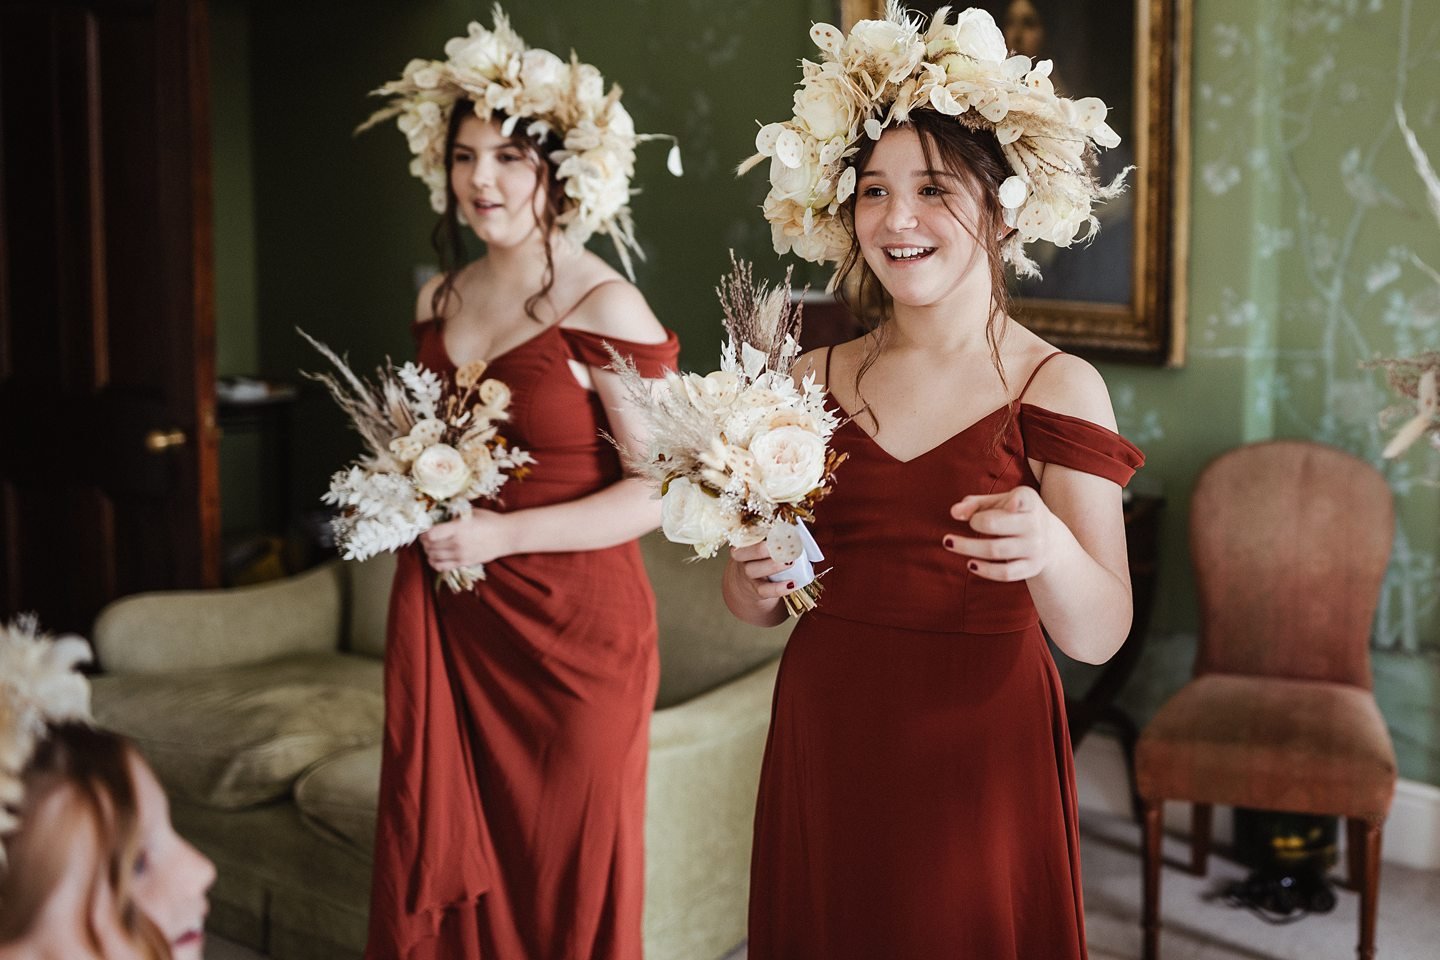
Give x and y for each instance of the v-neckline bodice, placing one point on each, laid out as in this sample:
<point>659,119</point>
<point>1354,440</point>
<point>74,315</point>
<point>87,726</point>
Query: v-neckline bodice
<point>851,422</point>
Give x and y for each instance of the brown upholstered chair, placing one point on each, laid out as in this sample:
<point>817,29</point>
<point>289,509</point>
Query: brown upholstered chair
<point>1290,541</point>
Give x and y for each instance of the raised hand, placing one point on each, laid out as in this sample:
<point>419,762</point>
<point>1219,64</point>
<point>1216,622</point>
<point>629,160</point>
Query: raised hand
<point>1018,529</point>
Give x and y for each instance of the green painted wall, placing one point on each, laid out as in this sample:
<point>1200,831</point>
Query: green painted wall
<point>237,324</point>
<point>1307,222</point>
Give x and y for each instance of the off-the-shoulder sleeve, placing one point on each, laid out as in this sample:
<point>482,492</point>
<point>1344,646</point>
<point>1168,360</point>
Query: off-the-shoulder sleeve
<point>1079,444</point>
<point>651,359</point>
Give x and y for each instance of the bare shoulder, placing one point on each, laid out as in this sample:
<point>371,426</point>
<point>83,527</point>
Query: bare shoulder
<point>832,360</point>
<point>614,307</point>
<point>424,301</point>
<point>1072,386</point>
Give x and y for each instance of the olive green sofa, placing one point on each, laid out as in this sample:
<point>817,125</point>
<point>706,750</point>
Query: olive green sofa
<point>261,709</point>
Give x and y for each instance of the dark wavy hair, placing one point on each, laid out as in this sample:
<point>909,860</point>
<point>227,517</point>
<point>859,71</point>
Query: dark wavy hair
<point>447,237</point>
<point>95,766</point>
<point>975,157</point>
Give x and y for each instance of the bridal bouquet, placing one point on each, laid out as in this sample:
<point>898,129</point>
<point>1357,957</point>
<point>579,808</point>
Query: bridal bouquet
<point>740,455</point>
<point>432,445</point>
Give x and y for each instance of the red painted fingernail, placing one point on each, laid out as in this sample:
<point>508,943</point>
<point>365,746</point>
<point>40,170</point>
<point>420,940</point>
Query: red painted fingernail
<point>949,543</point>
<point>974,567</point>
<point>790,585</point>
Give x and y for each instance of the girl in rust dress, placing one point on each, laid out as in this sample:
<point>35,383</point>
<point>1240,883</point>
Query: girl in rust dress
<point>917,799</point>
<point>512,792</point>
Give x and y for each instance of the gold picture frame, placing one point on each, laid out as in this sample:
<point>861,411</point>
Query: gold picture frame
<point>1123,296</point>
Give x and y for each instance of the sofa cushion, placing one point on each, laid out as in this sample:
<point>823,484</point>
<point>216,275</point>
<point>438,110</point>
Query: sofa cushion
<point>369,603</point>
<point>338,795</point>
<point>178,630</point>
<point>702,645</point>
<point>236,736</point>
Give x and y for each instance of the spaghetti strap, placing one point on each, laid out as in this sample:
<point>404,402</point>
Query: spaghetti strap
<point>1036,372</point>
<point>828,352</point>
<point>586,296</point>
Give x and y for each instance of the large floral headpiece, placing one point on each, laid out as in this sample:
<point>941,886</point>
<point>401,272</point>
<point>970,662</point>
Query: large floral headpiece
<point>496,71</point>
<point>887,69</point>
<point>39,686</point>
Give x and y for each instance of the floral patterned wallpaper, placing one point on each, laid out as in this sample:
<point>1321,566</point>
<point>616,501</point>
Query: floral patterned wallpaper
<point>1313,250</point>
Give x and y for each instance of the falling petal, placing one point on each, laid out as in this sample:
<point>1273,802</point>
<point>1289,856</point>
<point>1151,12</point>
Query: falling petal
<point>672,162</point>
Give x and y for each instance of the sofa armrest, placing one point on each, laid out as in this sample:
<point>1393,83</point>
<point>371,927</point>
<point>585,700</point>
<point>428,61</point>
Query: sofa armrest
<point>704,771</point>
<point>197,629</point>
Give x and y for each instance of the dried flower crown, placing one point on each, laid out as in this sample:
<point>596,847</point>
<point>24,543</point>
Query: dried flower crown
<point>39,685</point>
<point>497,72</point>
<point>887,69</point>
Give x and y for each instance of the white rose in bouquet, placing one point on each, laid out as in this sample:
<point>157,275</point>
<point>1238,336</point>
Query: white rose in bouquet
<point>690,515</point>
<point>789,463</point>
<point>440,471</point>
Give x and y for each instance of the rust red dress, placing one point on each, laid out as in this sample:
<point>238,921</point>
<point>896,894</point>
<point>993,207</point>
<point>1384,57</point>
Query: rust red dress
<point>917,799</point>
<point>512,786</point>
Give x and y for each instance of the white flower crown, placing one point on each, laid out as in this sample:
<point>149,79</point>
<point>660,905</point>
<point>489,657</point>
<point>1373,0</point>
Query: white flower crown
<point>887,69</point>
<point>39,686</point>
<point>496,71</point>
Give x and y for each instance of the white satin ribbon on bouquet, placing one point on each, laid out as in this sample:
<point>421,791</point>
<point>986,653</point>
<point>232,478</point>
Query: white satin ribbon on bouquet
<point>793,543</point>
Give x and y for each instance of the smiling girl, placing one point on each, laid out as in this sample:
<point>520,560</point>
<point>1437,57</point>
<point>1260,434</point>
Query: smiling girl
<point>917,798</point>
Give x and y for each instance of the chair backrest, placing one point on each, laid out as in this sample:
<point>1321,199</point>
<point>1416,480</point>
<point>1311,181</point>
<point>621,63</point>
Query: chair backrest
<point>1290,540</point>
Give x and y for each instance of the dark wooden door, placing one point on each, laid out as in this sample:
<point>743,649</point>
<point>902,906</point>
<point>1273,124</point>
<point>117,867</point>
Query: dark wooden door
<point>108,453</point>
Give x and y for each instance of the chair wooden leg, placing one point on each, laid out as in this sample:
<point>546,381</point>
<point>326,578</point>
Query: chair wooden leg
<point>1354,853</point>
<point>1151,825</point>
<point>1364,839</point>
<point>1200,819</point>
